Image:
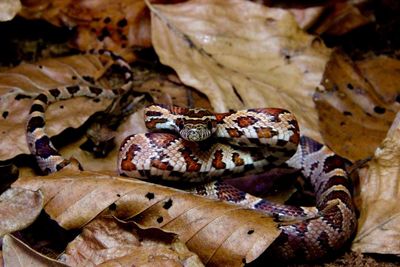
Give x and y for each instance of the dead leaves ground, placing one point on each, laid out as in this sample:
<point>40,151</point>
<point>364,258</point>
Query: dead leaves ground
<point>222,58</point>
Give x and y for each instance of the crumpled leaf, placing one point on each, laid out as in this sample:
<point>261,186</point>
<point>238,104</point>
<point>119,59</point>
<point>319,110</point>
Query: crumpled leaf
<point>241,59</point>
<point>115,25</point>
<point>16,253</point>
<point>18,209</point>
<point>216,231</point>
<point>379,223</point>
<point>107,241</point>
<point>359,103</point>
<point>18,86</point>
<point>8,9</point>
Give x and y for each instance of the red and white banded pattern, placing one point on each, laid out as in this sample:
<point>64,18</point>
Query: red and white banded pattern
<point>249,141</point>
<point>243,142</point>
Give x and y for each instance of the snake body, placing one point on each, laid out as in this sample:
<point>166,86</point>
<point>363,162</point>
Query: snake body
<point>206,146</point>
<point>39,143</point>
<point>273,132</point>
<point>199,145</point>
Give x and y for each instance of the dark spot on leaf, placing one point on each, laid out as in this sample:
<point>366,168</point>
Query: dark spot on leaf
<point>73,77</point>
<point>167,204</point>
<point>107,20</point>
<point>160,219</point>
<point>96,100</point>
<point>379,110</point>
<point>350,86</point>
<point>244,260</point>
<point>61,106</point>
<point>398,98</point>
<point>113,206</point>
<point>250,232</point>
<point>122,23</point>
<point>40,67</point>
<point>118,195</point>
<point>5,114</point>
<point>347,113</point>
<point>342,123</point>
<point>149,195</point>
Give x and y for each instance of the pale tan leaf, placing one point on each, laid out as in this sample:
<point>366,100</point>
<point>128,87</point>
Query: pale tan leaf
<point>18,86</point>
<point>16,253</point>
<point>18,209</point>
<point>242,55</point>
<point>8,9</point>
<point>379,223</point>
<point>306,17</point>
<point>359,103</point>
<point>108,242</point>
<point>216,231</point>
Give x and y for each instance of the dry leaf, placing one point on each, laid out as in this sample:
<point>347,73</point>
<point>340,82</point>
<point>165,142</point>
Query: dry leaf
<point>110,242</point>
<point>306,17</point>
<point>18,86</point>
<point>115,25</point>
<point>18,209</point>
<point>355,112</point>
<point>379,223</point>
<point>256,58</point>
<point>16,253</point>
<point>343,18</point>
<point>8,9</point>
<point>218,232</point>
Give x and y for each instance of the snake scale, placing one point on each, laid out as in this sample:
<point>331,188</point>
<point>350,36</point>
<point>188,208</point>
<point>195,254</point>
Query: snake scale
<point>196,145</point>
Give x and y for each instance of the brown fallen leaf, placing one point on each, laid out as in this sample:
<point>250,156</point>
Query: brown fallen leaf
<point>18,209</point>
<point>115,25</point>
<point>109,242</point>
<point>19,85</point>
<point>257,58</point>
<point>16,253</point>
<point>343,18</point>
<point>218,232</point>
<point>8,9</point>
<point>379,223</point>
<point>358,105</point>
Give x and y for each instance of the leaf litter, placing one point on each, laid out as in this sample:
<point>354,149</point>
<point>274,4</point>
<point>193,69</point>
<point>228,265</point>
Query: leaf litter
<point>380,89</point>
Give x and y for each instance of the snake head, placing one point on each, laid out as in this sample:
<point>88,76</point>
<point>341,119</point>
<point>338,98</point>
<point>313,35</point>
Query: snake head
<point>196,130</point>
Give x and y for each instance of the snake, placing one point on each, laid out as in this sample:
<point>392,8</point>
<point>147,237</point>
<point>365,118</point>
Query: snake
<point>196,145</point>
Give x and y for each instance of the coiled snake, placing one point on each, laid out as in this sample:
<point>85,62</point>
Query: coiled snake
<point>200,146</point>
